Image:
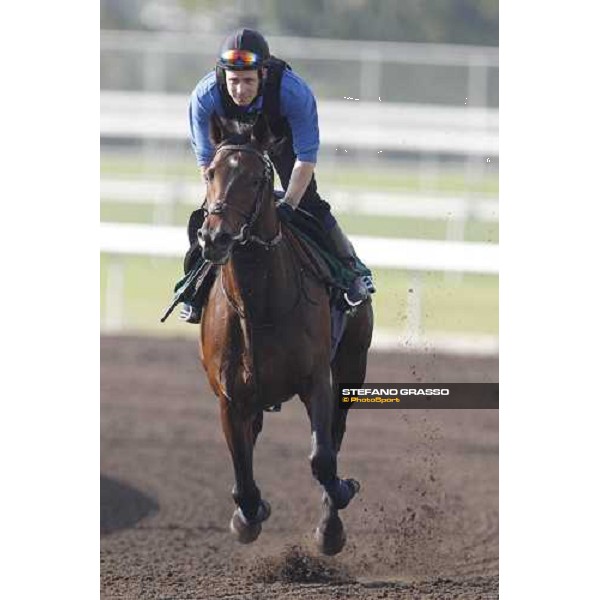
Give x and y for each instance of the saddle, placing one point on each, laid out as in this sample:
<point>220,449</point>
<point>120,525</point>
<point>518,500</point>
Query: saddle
<point>313,248</point>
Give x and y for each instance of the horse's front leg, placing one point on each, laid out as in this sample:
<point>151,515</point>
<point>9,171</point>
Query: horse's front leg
<point>241,429</point>
<point>338,492</point>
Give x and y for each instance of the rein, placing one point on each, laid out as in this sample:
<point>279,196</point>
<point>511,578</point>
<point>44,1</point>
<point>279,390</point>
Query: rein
<point>220,206</point>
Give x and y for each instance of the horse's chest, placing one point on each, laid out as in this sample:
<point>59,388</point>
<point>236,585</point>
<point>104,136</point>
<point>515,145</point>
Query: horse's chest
<point>271,371</point>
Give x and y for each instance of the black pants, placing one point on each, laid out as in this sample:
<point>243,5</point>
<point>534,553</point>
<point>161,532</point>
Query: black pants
<point>283,157</point>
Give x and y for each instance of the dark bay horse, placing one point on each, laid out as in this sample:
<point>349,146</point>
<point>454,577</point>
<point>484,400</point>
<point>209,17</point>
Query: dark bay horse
<point>265,334</point>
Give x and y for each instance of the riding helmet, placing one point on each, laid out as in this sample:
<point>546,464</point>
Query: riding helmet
<point>243,50</point>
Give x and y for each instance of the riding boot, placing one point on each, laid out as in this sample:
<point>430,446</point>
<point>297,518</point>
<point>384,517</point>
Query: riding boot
<point>362,285</point>
<point>190,310</point>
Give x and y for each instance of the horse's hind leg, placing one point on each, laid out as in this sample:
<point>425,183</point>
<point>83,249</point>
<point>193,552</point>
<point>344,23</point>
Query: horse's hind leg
<point>350,364</point>
<point>338,492</point>
<point>241,431</point>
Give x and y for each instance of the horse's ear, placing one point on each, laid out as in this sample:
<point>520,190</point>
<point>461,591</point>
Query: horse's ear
<point>216,130</point>
<point>261,132</point>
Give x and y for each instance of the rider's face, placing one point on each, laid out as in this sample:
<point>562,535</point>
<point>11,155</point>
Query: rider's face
<point>242,86</point>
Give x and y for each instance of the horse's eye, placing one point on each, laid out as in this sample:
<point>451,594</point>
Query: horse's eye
<point>210,175</point>
<point>255,182</point>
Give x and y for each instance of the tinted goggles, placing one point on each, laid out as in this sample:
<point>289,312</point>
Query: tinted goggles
<point>240,58</point>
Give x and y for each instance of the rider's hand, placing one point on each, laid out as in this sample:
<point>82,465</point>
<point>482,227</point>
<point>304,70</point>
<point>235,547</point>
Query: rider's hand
<point>285,211</point>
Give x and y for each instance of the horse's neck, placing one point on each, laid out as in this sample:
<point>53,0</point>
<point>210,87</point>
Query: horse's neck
<point>263,283</point>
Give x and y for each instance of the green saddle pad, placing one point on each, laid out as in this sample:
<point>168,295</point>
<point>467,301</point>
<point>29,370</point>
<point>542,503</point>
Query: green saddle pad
<point>306,227</point>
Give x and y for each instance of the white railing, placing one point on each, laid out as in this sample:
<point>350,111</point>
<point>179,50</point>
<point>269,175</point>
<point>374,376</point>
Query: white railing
<point>375,126</point>
<point>411,255</point>
<point>415,256</point>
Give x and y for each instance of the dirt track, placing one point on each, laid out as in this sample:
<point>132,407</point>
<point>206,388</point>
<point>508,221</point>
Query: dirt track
<point>425,524</point>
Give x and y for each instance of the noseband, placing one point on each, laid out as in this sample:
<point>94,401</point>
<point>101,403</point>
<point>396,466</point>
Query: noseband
<point>220,206</point>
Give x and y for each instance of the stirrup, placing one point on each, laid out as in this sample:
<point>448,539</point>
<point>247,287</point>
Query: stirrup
<point>351,302</point>
<point>358,292</point>
<point>189,314</point>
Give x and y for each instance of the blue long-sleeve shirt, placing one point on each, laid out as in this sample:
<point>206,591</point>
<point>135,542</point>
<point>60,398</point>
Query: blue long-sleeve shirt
<point>298,105</point>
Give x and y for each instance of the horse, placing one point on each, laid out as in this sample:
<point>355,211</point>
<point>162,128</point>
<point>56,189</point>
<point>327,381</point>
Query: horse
<point>265,332</point>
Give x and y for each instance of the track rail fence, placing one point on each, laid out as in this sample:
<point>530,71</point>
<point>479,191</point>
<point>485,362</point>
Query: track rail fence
<point>414,256</point>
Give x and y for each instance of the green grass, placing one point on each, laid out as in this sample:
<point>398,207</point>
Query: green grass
<point>135,166</point>
<point>386,179</point>
<point>123,212</point>
<point>469,306</point>
<point>405,227</point>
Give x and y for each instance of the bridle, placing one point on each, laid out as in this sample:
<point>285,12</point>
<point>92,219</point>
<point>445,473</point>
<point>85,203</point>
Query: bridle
<point>220,206</point>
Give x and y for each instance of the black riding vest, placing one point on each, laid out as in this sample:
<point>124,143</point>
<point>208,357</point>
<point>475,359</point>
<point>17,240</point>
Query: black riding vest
<point>271,93</point>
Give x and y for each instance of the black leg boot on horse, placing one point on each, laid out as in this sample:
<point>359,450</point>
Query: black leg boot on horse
<point>337,493</point>
<point>251,509</point>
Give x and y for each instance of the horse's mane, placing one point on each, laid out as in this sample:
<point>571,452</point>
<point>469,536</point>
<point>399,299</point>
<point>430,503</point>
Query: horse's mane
<point>237,133</point>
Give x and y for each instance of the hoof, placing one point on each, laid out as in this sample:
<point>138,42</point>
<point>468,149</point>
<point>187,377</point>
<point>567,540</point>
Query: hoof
<point>354,485</point>
<point>330,536</point>
<point>244,533</point>
<point>247,531</point>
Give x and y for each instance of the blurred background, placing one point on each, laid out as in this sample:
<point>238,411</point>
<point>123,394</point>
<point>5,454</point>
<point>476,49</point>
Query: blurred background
<point>408,113</point>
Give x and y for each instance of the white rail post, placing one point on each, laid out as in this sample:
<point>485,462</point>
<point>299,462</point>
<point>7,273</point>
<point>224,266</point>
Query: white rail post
<point>114,294</point>
<point>413,307</point>
<point>455,232</point>
<point>370,74</point>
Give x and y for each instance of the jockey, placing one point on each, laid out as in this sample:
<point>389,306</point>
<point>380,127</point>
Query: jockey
<point>248,81</point>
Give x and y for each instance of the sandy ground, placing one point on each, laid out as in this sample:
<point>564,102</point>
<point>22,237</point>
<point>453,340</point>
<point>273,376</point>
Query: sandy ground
<point>425,524</point>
